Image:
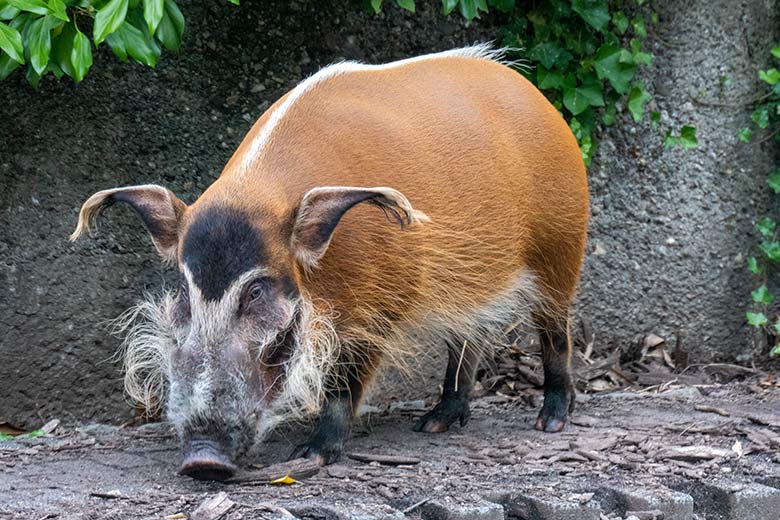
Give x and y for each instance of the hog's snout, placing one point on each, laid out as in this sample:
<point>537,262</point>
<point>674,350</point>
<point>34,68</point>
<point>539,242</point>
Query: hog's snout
<point>205,460</point>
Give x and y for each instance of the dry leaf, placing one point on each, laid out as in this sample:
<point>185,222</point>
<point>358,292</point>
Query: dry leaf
<point>176,516</point>
<point>285,480</point>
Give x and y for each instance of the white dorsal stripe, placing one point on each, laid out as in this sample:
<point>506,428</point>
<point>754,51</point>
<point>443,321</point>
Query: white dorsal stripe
<point>483,51</point>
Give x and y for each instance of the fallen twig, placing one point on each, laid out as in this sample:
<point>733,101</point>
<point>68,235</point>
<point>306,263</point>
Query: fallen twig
<point>415,506</point>
<point>297,469</point>
<point>388,460</point>
<point>711,409</point>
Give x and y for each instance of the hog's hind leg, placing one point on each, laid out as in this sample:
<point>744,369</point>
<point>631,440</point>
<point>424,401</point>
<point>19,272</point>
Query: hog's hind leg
<point>453,406</point>
<point>558,386</point>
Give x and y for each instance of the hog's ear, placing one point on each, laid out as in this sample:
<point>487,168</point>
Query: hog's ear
<point>159,209</point>
<point>321,210</point>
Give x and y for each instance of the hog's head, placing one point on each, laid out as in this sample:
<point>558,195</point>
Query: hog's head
<point>239,345</point>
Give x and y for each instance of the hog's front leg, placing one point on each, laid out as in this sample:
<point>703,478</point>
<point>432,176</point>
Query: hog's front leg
<point>333,425</point>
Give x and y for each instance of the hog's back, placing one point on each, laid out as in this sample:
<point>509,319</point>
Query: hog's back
<point>469,142</point>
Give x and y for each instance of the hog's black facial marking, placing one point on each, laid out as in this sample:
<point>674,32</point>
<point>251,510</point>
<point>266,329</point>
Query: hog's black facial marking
<point>218,247</point>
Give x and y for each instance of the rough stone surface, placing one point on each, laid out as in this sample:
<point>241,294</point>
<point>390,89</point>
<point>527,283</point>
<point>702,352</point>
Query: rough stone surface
<point>455,510</point>
<point>725,500</point>
<point>672,227</point>
<point>673,505</point>
<point>669,233</point>
<point>530,507</point>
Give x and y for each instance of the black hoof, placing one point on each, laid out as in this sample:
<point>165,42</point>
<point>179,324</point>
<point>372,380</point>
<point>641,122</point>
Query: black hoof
<point>321,452</point>
<point>443,415</point>
<point>555,411</point>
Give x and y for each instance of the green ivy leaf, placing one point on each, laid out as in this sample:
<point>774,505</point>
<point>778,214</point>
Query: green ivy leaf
<point>766,226</point>
<point>610,114</point>
<point>756,319</point>
<point>577,100</point>
<point>611,63</point>
<point>11,42</point>
<point>31,6</point>
<point>39,43</point>
<point>376,5</point>
<point>775,350</point>
<point>620,21</point>
<point>771,250</point>
<point>744,134</point>
<point>153,12</point>
<point>636,102</point>
<point>546,53</point>
<point>752,265</point>
<point>655,118</point>
<point>760,116</point>
<point>687,138</point>
<point>171,27</point>
<point>770,76</point>
<point>505,6</point>
<point>638,23</point>
<point>774,180</point>
<point>81,56</point>
<point>548,79</point>
<point>406,4</point>
<point>762,295</point>
<point>109,19</point>
<point>594,12</point>
<point>470,8</point>
<point>776,51</point>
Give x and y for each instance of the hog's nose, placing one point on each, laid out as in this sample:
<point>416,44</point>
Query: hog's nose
<point>204,460</point>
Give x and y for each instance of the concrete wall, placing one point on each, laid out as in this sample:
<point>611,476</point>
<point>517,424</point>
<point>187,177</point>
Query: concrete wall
<point>178,124</point>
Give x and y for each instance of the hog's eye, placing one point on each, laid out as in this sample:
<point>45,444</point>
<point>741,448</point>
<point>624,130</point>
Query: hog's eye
<point>256,292</point>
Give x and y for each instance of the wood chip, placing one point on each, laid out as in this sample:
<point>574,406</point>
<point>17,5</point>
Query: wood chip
<point>693,453</point>
<point>213,508</point>
<point>387,460</point>
<point>114,493</point>
<point>50,426</point>
<point>711,409</point>
<point>297,469</point>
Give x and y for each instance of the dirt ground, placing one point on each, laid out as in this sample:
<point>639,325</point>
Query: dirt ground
<point>669,451</point>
